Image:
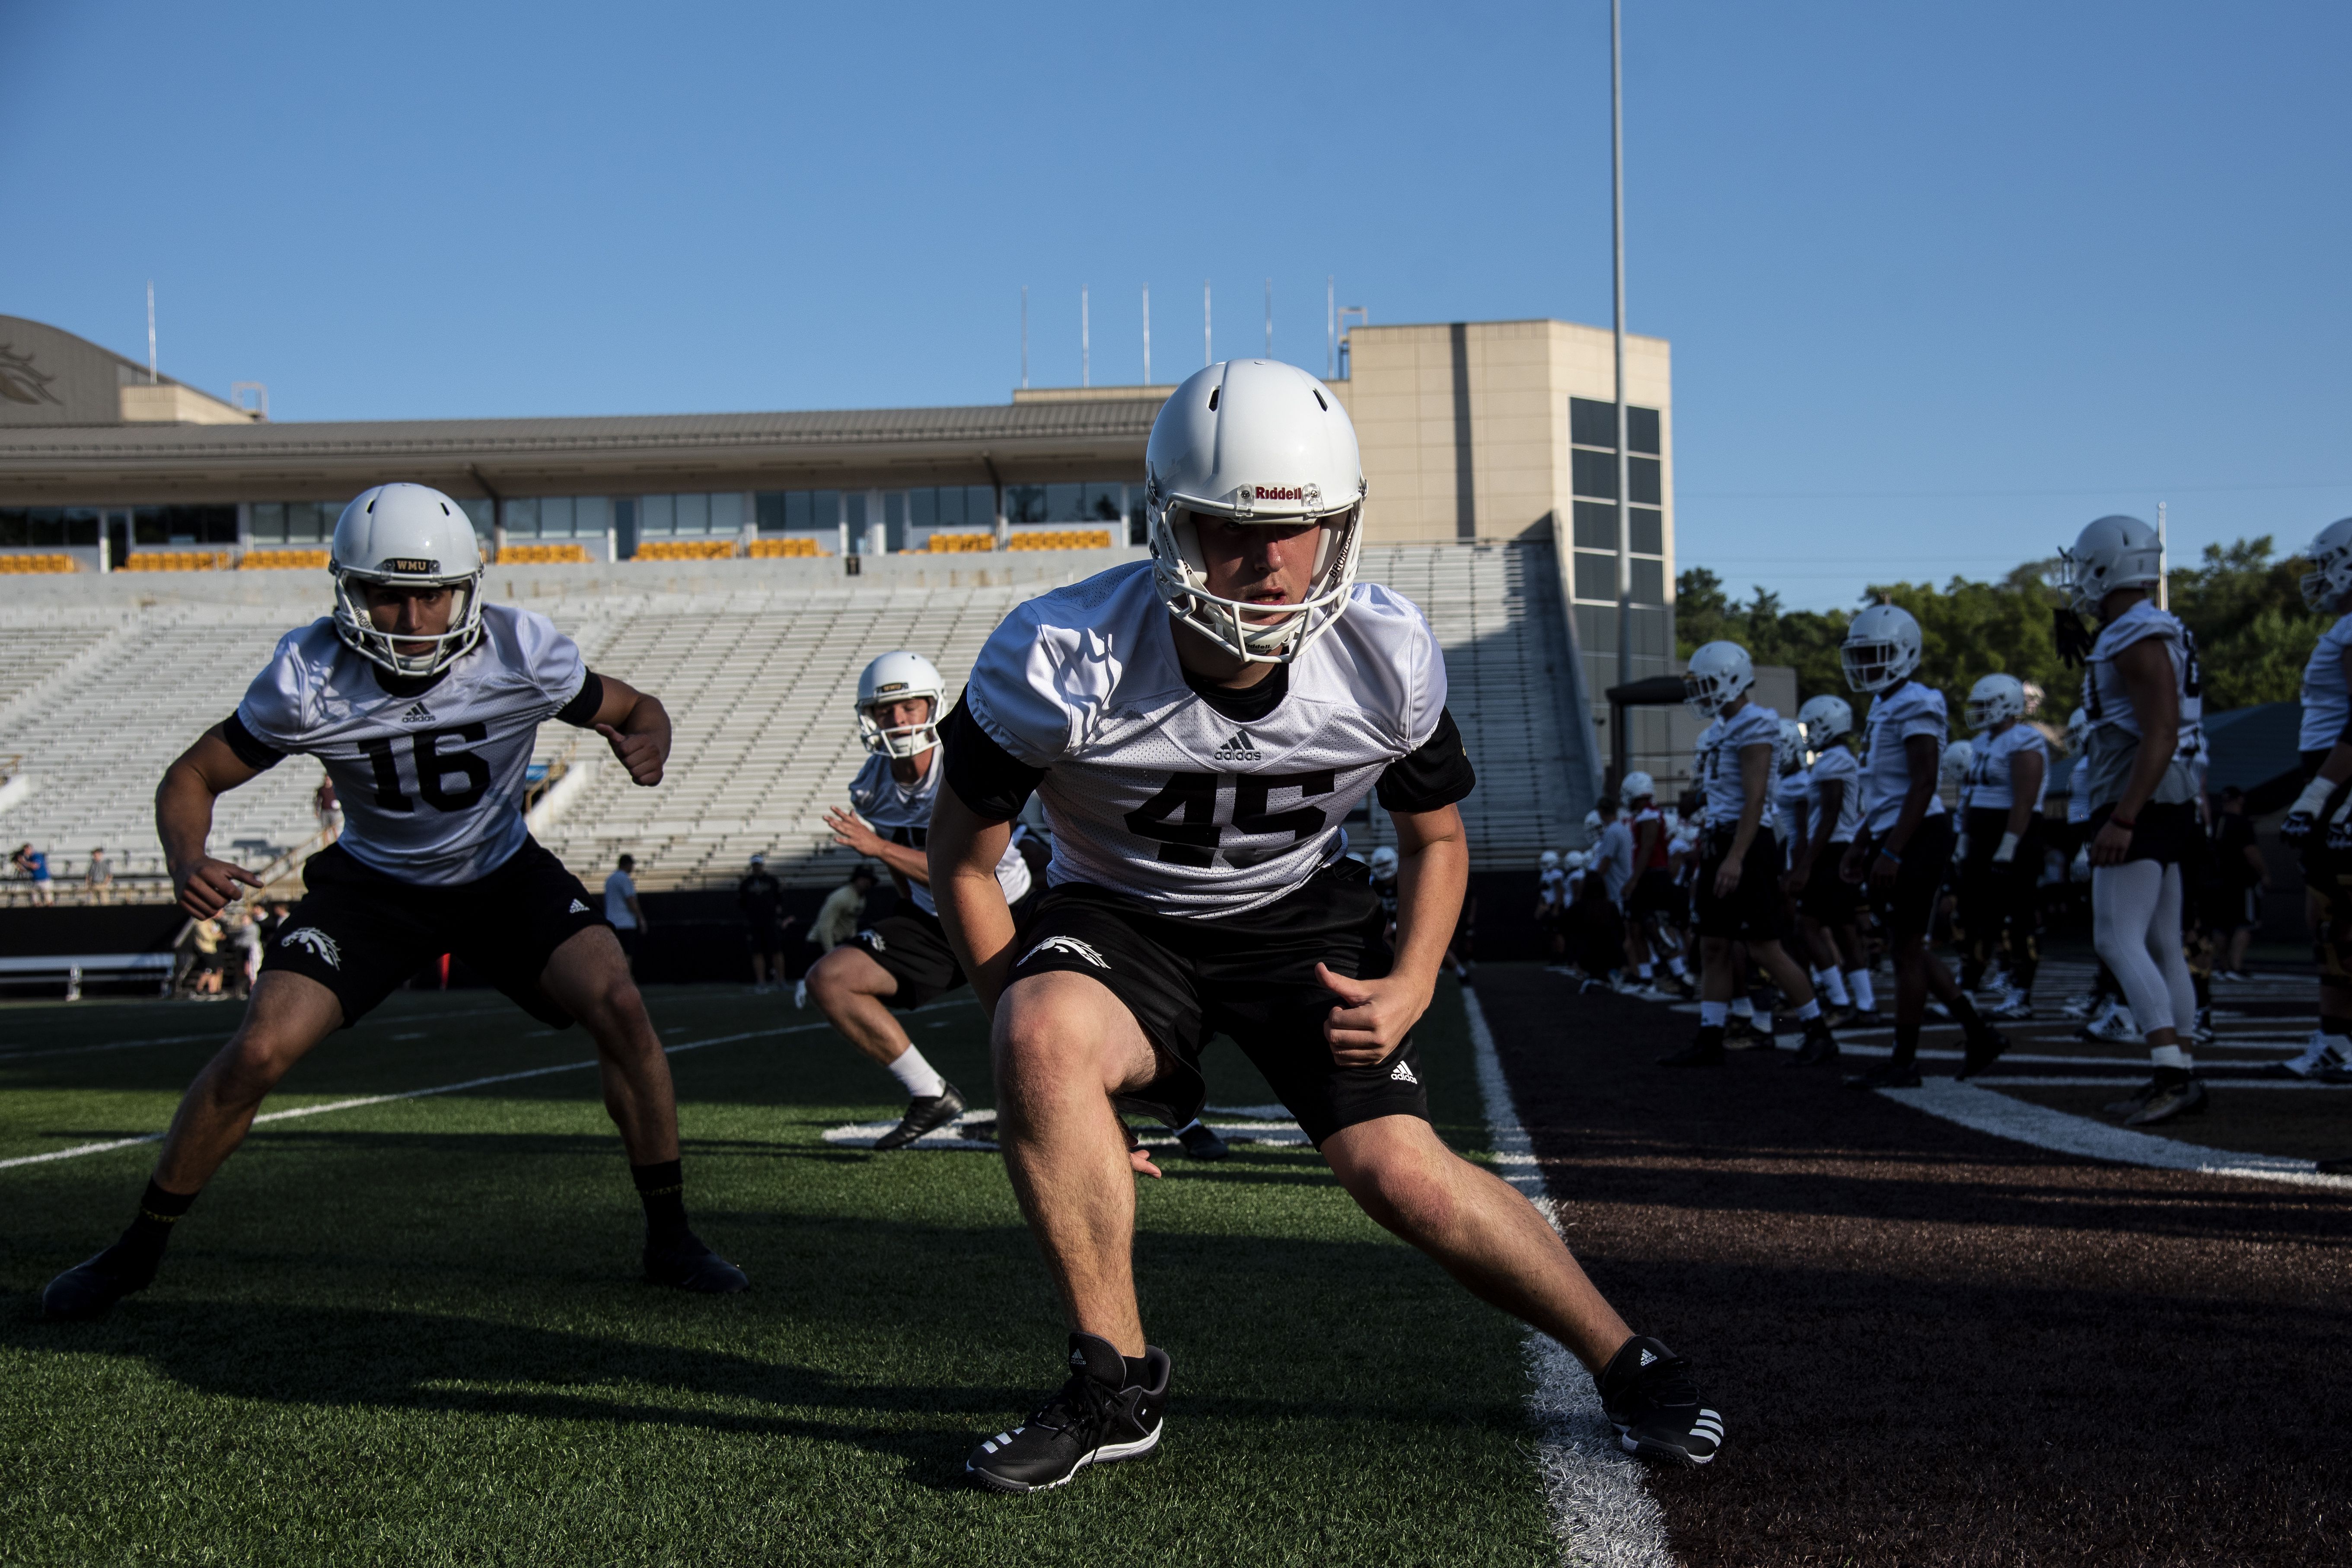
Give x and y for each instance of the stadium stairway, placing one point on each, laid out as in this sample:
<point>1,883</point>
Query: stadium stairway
<point>102,685</point>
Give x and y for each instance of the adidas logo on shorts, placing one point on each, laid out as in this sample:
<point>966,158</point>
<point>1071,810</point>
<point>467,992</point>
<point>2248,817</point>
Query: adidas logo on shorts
<point>1402,1073</point>
<point>577,908</point>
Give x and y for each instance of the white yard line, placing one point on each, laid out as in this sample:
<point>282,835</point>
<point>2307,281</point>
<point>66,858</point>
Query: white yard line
<point>1600,1511</point>
<point>2025,1122</point>
<point>354,1104</point>
<point>2026,1080</point>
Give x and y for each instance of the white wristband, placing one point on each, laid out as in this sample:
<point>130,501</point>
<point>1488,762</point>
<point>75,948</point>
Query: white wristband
<point>2008,850</point>
<point>2315,795</point>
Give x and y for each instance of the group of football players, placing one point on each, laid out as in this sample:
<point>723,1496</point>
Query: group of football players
<point>1198,727</point>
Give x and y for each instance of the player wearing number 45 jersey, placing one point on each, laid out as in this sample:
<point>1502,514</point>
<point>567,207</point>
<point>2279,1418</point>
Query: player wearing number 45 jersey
<point>422,703</point>
<point>1198,727</point>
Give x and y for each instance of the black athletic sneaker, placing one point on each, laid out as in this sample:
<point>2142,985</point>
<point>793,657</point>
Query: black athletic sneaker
<point>1886,1074</point>
<point>1706,1051</point>
<point>1821,1046</point>
<point>1648,1395</point>
<point>925,1113</point>
<point>2180,1096</point>
<point>1099,1416</point>
<point>1984,1050</point>
<point>1201,1141</point>
<point>88,1290</point>
<point>687,1263</point>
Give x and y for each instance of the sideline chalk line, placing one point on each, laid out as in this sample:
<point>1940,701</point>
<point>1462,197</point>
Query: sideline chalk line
<point>1600,1511</point>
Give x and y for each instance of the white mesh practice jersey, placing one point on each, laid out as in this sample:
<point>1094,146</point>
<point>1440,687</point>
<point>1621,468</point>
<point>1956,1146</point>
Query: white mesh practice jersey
<point>2112,738</point>
<point>1150,790</point>
<point>430,783</point>
<point>1716,770</point>
<point>2326,705</point>
<point>1835,765</point>
<point>902,814</point>
<point>1911,708</point>
<point>1613,853</point>
<point>1988,787</point>
<point>1790,795</point>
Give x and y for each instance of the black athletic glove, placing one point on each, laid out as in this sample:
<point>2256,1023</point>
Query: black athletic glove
<point>2297,830</point>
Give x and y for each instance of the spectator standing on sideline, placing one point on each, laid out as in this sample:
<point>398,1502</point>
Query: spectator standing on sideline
<point>34,863</point>
<point>100,878</point>
<point>837,920</point>
<point>761,899</point>
<point>623,911</point>
<point>2241,878</point>
<point>330,810</point>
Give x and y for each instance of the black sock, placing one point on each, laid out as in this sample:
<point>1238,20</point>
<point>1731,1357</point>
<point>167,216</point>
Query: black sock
<point>140,1248</point>
<point>1906,1044</point>
<point>663,1188</point>
<point>2203,985</point>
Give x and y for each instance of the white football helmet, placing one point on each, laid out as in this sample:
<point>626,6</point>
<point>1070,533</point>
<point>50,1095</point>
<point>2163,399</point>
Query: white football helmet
<point>1254,441</point>
<point>409,536</point>
<point>1993,698</point>
<point>1592,826</point>
<point>1577,859</point>
<point>896,678</point>
<point>2111,553</point>
<point>1826,719</point>
<point>1789,754</point>
<point>1881,647</point>
<point>1959,758</point>
<point>1637,786</point>
<point>1384,864</point>
<point>1548,860</point>
<point>2330,577</point>
<point>1718,672</point>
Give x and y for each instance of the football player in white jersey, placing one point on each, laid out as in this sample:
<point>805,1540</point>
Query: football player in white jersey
<point>2319,827</point>
<point>1738,887</point>
<point>1904,847</point>
<point>1199,726</point>
<point>2002,825</point>
<point>902,961</point>
<point>422,703</point>
<point>1826,902</point>
<point>2142,693</point>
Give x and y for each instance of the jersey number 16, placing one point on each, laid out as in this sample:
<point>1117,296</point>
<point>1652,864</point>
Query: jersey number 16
<point>434,767</point>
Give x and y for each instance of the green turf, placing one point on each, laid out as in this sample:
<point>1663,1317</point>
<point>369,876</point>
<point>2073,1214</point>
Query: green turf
<point>410,1332</point>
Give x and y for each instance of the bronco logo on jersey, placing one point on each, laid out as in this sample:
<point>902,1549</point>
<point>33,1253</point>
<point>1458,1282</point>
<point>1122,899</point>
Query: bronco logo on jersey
<point>320,944</point>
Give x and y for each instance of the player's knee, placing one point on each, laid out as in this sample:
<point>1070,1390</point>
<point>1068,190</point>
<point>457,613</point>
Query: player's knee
<point>253,1061</point>
<point>1405,1196</point>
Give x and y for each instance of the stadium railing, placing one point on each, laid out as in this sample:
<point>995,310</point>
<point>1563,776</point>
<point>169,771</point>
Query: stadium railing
<point>73,968</point>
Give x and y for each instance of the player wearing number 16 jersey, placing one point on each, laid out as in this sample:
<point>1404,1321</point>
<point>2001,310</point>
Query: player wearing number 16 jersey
<point>422,703</point>
<point>1198,727</point>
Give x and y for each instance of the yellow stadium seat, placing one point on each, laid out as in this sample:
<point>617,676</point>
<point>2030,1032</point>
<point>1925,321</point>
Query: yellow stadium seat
<point>37,564</point>
<point>961,544</point>
<point>544,555</point>
<point>176,561</point>
<point>686,550</point>
<point>785,550</point>
<point>1063,538</point>
<point>281,560</point>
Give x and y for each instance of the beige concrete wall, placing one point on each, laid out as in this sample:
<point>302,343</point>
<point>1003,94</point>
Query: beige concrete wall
<point>168,403</point>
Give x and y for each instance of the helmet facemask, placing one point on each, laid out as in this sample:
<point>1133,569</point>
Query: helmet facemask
<point>1875,665</point>
<point>900,742</point>
<point>356,626</point>
<point>1255,633</point>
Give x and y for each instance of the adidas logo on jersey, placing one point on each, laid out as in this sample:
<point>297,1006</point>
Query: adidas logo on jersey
<point>417,713</point>
<point>1071,945</point>
<point>318,941</point>
<point>1402,1073</point>
<point>1237,749</point>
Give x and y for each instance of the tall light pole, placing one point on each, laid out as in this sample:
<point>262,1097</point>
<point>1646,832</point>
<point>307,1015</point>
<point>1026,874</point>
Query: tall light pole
<point>1619,745</point>
<point>1147,335</point>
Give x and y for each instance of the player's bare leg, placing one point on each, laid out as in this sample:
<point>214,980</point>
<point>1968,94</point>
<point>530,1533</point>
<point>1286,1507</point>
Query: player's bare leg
<point>1478,1228</point>
<point>854,990</point>
<point>588,977</point>
<point>287,1015</point>
<point>1063,1045</point>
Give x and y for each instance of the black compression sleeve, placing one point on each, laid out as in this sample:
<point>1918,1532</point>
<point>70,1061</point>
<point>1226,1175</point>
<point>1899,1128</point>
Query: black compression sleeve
<point>986,777</point>
<point>1437,774</point>
<point>252,752</point>
<point>580,711</point>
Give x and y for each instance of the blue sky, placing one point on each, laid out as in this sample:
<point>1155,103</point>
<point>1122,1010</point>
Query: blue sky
<point>1944,282</point>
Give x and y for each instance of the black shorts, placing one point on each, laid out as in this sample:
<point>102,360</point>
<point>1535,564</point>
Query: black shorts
<point>764,939</point>
<point>361,933</point>
<point>913,948</point>
<point>1655,893</point>
<point>1251,976</point>
<point>1828,899</point>
<point>1908,909</point>
<point>2168,835</point>
<point>1757,910</point>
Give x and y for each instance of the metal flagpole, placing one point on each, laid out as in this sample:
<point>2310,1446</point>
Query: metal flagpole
<point>2163,562</point>
<point>1147,335</point>
<point>1618,747</point>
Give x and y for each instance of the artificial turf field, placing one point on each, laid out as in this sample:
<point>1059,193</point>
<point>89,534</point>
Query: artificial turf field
<point>411,1331</point>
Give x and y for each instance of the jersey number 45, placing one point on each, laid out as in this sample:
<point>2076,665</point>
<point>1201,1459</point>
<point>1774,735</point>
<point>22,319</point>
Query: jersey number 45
<point>1185,815</point>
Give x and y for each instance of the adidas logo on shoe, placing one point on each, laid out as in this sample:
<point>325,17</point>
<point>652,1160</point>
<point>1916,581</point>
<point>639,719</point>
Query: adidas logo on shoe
<point>577,908</point>
<point>1647,1357</point>
<point>1402,1073</point>
<point>1237,749</point>
<point>417,714</point>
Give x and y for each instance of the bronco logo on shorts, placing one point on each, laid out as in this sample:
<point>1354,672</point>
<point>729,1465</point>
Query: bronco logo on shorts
<point>320,944</point>
<point>871,941</point>
<point>1070,945</point>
